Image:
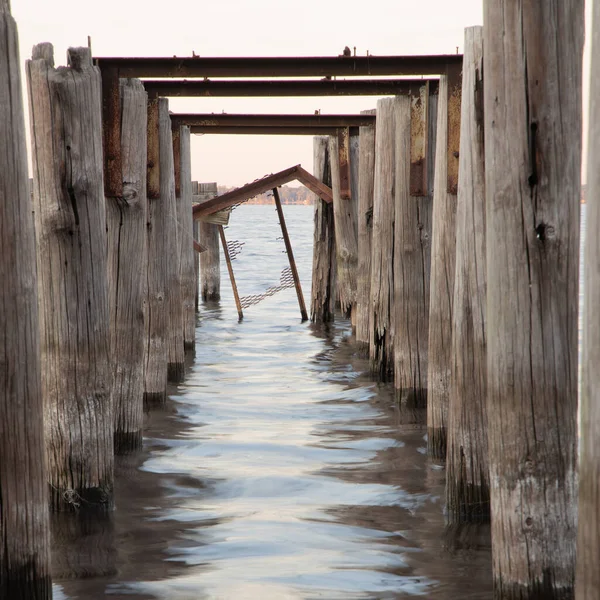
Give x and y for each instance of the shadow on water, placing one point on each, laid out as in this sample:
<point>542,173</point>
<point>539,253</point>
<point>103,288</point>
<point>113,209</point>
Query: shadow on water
<point>278,470</point>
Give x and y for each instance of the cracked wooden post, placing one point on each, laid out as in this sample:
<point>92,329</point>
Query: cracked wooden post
<point>236,296</point>
<point>196,230</point>
<point>290,253</point>
<point>186,246</point>
<point>441,291</point>
<point>344,214</point>
<point>532,114</point>
<point>210,261</point>
<point>174,304</point>
<point>24,531</point>
<point>381,349</point>
<point>587,582</point>
<point>323,294</point>
<point>127,271</point>
<point>467,472</point>
<point>366,179</point>
<point>155,391</point>
<point>412,251</point>
<point>66,132</point>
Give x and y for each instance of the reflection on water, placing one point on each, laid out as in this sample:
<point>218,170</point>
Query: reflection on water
<point>277,470</point>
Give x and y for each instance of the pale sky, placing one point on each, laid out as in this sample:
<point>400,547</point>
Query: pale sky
<point>249,28</point>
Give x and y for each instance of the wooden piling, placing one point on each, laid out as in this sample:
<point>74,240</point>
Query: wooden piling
<point>467,473</point>
<point>381,349</point>
<point>236,295</point>
<point>290,253</point>
<point>441,291</point>
<point>588,536</point>
<point>25,542</point>
<point>174,304</point>
<point>532,115</point>
<point>196,233</point>
<point>323,294</point>
<point>412,254</point>
<point>66,133</point>
<point>210,261</point>
<point>126,219</point>
<point>366,179</point>
<point>346,230</point>
<point>186,238</point>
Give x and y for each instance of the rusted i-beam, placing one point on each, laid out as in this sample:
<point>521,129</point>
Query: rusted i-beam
<point>236,296</point>
<point>274,120</point>
<point>290,253</point>
<point>264,130</point>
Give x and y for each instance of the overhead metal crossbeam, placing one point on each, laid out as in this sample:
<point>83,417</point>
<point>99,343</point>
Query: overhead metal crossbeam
<point>281,66</point>
<point>283,88</point>
<point>265,130</point>
<point>283,120</point>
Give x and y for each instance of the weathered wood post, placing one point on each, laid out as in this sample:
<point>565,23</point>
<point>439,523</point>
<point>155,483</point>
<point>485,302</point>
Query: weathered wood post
<point>126,219</point>
<point>196,230</point>
<point>210,261</point>
<point>412,252</point>
<point>532,113</point>
<point>25,542</point>
<point>467,479</point>
<point>381,349</point>
<point>66,134</point>
<point>588,537</point>
<point>441,291</point>
<point>323,294</point>
<point>344,214</point>
<point>156,357</point>
<point>186,245</point>
<point>366,179</point>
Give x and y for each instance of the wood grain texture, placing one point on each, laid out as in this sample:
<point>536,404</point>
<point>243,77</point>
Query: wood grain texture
<point>346,230</point>
<point>196,230</point>
<point>323,294</point>
<point>467,479</point>
<point>186,245</point>
<point>366,178</point>
<point>441,293</point>
<point>210,261</point>
<point>532,106</point>
<point>68,191</point>
<point>587,581</point>
<point>126,219</point>
<point>25,543</point>
<point>381,349</point>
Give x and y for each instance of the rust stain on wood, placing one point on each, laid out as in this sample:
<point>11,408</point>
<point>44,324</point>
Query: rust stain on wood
<point>418,142</point>
<point>153,183</point>
<point>111,138</point>
<point>177,159</point>
<point>343,136</point>
<point>454,74</point>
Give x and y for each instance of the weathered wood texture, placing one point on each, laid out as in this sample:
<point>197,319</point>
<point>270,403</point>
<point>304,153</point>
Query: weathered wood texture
<point>127,271</point>
<point>210,261</point>
<point>467,479</point>
<point>175,347</point>
<point>323,295</point>
<point>196,233</point>
<point>25,543</point>
<point>588,537</point>
<point>155,391</point>
<point>412,256</point>
<point>346,230</point>
<point>366,177</point>
<point>381,349</point>
<point>441,290</point>
<point>68,191</point>
<point>186,242</point>
<point>532,116</point>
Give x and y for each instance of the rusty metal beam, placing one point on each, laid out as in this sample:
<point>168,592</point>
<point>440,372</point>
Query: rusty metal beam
<point>266,130</point>
<point>252,120</point>
<point>277,88</point>
<point>236,295</point>
<point>305,66</point>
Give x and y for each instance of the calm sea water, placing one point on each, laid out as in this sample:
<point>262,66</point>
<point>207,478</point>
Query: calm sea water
<point>278,470</point>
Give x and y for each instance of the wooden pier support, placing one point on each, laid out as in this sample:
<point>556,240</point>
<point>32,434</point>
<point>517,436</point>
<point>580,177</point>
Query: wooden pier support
<point>236,295</point>
<point>24,535</point>
<point>532,116</point>
<point>323,294</point>
<point>290,253</point>
<point>68,191</point>
<point>186,247</point>
<point>210,261</point>
<point>381,349</point>
<point>196,233</point>
<point>126,218</point>
<point>441,292</point>
<point>467,472</point>
<point>366,179</point>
